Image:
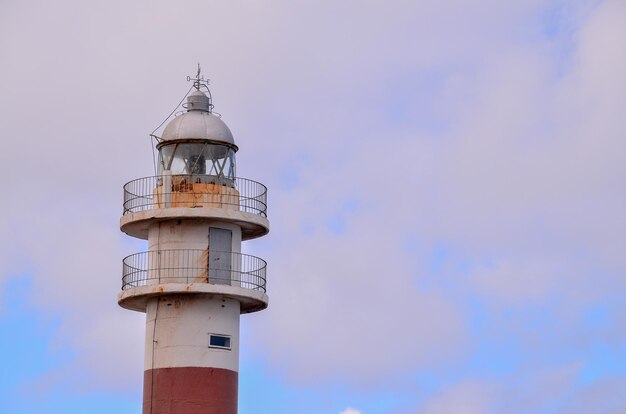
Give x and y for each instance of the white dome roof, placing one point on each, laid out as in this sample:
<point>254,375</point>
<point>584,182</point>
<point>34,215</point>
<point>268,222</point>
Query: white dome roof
<point>198,122</point>
<point>198,125</point>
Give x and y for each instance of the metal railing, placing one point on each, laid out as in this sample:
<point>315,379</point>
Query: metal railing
<point>194,190</point>
<point>193,266</point>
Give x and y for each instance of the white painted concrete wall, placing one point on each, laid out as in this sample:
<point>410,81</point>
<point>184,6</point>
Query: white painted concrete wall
<point>188,234</point>
<point>191,235</point>
<point>178,328</point>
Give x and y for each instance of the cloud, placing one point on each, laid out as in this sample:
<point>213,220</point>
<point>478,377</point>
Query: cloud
<point>350,410</point>
<point>352,299</point>
<point>555,389</point>
<point>517,182</point>
<point>603,396</point>
<point>464,398</point>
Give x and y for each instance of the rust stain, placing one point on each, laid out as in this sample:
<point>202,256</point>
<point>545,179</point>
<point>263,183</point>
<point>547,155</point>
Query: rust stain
<point>202,263</point>
<point>193,195</point>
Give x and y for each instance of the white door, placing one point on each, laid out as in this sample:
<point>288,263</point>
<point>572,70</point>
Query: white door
<point>220,256</point>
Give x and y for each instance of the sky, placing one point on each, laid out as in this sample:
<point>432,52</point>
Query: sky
<point>446,198</point>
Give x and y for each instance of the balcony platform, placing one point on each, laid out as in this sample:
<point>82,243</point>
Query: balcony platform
<point>137,224</point>
<point>136,298</point>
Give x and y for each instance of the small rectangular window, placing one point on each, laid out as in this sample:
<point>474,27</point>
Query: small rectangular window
<point>219,341</point>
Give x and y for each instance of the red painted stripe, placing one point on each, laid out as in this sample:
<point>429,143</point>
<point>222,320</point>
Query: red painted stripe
<point>190,390</point>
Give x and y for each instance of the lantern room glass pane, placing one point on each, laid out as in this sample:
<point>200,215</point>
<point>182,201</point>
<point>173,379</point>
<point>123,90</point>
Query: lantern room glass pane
<point>192,158</point>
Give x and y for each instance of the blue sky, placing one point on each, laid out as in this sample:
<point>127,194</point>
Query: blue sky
<point>446,198</point>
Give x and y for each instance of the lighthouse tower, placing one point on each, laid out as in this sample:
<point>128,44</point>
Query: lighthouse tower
<point>193,283</point>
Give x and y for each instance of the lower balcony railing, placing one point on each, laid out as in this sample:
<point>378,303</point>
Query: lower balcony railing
<point>193,266</point>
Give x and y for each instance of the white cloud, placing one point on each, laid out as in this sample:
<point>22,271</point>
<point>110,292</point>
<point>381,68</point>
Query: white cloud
<point>473,396</point>
<point>350,410</point>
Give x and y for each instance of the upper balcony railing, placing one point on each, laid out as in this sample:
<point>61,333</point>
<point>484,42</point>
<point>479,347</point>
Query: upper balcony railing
<point>193,266</point>
<point>166,191</point>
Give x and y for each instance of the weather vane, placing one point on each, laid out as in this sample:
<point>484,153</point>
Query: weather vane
<point>199,80</point>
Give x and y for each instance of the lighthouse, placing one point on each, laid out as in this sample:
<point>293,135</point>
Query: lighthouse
<point>193,282</point>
